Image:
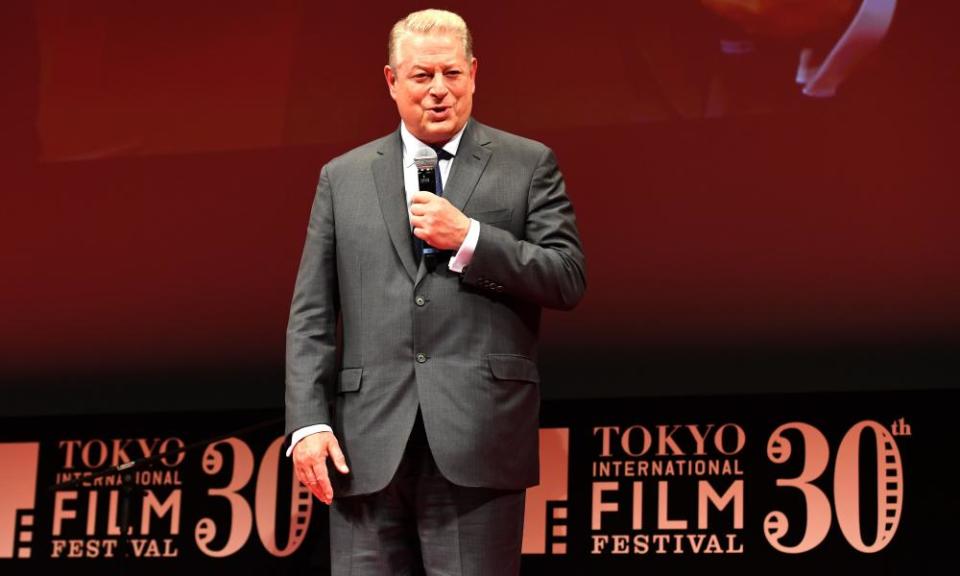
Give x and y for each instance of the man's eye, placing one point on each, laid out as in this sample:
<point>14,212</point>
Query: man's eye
<point>452,73</point>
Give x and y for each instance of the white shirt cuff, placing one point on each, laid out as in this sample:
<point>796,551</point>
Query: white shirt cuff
<point>465,253</point>
<point>302,433</point>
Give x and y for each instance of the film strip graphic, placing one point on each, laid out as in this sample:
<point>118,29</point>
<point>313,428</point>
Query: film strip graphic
<point>557,527</point>
<point>24,533</point>
<point>890,496</point>
<point>18,491</point>
<point>300,519</point>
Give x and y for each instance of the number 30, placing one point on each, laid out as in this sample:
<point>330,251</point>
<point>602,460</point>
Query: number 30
<point>846,487</point>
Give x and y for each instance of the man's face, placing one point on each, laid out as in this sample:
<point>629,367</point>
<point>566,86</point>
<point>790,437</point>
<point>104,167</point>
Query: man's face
<point>433,84</point>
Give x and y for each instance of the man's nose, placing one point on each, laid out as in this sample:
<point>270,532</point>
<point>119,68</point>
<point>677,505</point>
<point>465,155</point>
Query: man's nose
<point>438,88</point>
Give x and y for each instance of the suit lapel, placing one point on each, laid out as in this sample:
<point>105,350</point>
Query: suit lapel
<point>468,166</point>
<point>388,175</point>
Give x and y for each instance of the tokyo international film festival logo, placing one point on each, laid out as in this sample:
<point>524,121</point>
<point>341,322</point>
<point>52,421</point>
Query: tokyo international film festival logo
<point>545,515</point>
<point>18,491</point>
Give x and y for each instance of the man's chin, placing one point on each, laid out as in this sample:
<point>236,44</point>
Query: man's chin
<point>435,132</point>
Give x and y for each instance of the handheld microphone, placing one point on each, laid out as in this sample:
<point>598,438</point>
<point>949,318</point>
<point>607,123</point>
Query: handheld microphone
<point>426,162</point>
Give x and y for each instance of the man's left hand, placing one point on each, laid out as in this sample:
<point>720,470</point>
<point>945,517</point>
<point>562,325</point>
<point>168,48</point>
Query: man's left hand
<point>437,222</point>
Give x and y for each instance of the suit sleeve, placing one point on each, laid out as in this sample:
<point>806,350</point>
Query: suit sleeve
<point>311,330</point>
<point>546,266</point>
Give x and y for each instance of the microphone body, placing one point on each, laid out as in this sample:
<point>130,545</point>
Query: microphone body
<point>427,166</point>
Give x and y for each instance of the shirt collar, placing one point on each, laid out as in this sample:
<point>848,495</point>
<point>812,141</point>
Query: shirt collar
<point>411,143</point>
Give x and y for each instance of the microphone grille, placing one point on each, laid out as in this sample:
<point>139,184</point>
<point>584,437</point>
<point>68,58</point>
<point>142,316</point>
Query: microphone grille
<point>425,159</point>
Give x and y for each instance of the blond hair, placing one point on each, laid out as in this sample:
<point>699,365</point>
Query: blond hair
<point>425,22</point>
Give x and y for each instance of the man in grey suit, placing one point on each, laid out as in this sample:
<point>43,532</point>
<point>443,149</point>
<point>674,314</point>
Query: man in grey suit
<point>426,401</point>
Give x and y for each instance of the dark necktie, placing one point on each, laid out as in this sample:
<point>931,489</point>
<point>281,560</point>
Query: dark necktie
<point>441,155</point>
<point>420,248</point>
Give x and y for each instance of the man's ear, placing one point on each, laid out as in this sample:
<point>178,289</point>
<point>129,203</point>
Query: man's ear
<point>473,72</point>
<point>391,77</point>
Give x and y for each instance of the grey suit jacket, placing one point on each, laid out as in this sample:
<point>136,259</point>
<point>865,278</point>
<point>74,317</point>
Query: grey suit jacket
<point>372,336</point>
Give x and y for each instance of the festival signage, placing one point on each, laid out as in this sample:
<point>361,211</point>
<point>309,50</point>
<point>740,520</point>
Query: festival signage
<point>671,484</point>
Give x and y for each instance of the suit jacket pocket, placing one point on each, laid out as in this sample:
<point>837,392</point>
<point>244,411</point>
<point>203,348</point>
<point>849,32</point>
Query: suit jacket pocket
<point>493,217</point>
<point>513,367</point>
<point>349,380</point>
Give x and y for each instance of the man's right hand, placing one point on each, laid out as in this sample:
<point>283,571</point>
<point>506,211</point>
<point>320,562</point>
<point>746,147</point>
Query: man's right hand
<point>310,462</point>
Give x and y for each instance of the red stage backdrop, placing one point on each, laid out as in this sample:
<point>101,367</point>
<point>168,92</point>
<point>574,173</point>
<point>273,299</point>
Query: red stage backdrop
<point>164,157</point>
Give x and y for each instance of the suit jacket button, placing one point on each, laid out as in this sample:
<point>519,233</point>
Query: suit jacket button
<point>421,357</point>
<point>420,300</point>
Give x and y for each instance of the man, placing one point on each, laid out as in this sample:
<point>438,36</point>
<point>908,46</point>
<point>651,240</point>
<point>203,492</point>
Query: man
<point>426,404</point>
